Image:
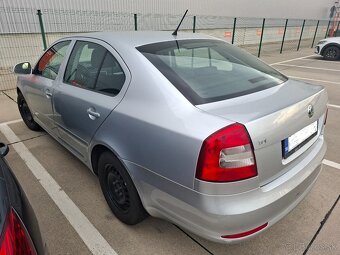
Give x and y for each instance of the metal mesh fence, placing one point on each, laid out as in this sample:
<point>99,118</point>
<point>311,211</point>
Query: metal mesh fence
<point>219,27</point>
<point>74,21</point>
<point>21,34</point>
<point>20,39</point>
<point>322,31</point>
<point>18,20</point>
<point>293,33</point>
<point>248,34</point>
<point>163,22</point>
<point>61,23</point>
<point>308,33</point>
<point>272,35</point>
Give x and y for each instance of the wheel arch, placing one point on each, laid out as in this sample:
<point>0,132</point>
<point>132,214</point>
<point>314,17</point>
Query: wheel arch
<point>97,150</point>
<point>329,45</point>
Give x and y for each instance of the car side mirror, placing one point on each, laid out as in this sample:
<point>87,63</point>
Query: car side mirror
<point>3,150</point>
<point>23,68</point>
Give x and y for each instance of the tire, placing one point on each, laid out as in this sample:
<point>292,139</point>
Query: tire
<point>26,114</point>
<point>331,53</point>
<point>119,190</point>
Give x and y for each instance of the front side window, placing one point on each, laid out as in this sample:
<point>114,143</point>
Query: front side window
<point>207,71</point>
<point>49,64</point>
<point>91,66</point>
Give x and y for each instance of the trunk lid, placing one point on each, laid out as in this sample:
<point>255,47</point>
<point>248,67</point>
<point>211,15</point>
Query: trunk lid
<point>271,116</point>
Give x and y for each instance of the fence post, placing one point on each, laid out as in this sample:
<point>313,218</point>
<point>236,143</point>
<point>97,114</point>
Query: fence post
<point>42,30</point>
<point>135,20</point>
<point>316,30</point>
<point>260,46</point>
<point>303,26</point>
<point>234,30</point>
<point>329,22</point>
<point>284,36</point>
<point>194,25</point>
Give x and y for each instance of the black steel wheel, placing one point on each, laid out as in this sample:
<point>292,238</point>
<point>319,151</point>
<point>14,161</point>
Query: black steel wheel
<point>119,190</point>
<point>331,53</point>
<point>26,114</point>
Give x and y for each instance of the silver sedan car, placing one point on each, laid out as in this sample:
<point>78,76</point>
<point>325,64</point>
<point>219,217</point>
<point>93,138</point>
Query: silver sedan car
<point>187,128</point>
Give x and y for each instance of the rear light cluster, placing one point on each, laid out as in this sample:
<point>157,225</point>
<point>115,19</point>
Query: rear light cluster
<point>14,238</point>
<point>227,156</point>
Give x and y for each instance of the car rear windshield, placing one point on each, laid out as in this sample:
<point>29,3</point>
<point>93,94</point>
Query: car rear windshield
<point>207,71</point>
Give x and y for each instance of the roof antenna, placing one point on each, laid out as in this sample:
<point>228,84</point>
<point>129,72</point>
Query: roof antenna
<point>175,32</point>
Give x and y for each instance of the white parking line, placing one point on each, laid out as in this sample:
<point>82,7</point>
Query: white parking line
<point>288,60</point>
<point>333,106</point>
<point>331,164</point>
<point>310,67</point>
<point>320,59</point>
<point>10,122</point>
<point>308,79</point>
<point>87,232</point>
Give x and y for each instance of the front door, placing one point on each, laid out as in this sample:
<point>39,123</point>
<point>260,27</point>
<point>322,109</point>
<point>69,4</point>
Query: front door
<point>39,85</point>
<point>88,92</point>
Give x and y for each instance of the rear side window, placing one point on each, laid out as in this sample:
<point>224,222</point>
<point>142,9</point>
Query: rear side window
<point>49,64</point>
<point>93,67</point>
<point>206,71</point>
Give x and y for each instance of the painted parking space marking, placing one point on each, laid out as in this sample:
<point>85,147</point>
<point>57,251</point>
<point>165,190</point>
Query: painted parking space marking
<point>87,232</point>
<point>289,60</point>
<point>331,164</point>
<point>333,106</point>
<point>310,67</point>
<point>319,58</point>
<point>309,79</point>
<point>309,58</point>
<point>10,122</point>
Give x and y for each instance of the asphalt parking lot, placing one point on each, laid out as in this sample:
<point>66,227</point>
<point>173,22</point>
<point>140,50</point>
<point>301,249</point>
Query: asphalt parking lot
<point>75,219</point>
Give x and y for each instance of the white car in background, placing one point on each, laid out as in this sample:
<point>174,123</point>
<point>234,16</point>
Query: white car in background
<point>329,48</point>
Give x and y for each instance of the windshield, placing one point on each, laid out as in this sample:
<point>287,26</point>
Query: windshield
<point>206,71</point>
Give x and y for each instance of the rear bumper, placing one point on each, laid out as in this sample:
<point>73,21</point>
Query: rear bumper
<point>212,216</point>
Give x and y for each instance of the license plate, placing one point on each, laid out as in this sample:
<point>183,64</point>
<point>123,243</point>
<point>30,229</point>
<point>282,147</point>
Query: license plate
<point>294,142</point>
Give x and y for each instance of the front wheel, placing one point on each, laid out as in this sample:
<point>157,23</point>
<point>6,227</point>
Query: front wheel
<point>26,114</point>
<point>119,190</point>
<point>331,53</point>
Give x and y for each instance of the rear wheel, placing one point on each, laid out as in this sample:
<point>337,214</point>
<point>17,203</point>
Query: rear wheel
<point>26,114</point>
<point>331,53</point>
<point>119,190</point>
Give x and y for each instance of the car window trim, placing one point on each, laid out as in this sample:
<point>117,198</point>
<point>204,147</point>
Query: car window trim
<point>65,57</point>
<point>107,51</point>
<point>99,69</point>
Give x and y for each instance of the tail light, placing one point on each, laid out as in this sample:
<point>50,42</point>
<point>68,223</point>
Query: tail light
<point>14,238</point>
<point>227,156</point>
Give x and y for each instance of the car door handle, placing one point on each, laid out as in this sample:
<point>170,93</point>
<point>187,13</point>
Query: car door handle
<point>48,94</point>
<point>93,114</point>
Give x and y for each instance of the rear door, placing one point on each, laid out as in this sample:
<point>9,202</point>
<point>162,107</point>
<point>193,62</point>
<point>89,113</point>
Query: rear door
<point>93,84</point>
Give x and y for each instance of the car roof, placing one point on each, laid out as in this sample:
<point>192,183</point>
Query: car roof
<point>138,38</point>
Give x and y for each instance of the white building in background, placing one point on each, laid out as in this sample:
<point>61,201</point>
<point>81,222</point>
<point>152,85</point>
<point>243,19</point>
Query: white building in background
<point>293,9</point>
